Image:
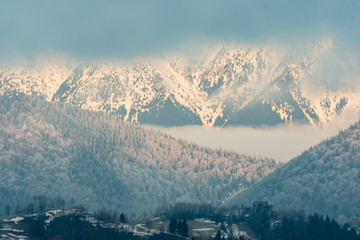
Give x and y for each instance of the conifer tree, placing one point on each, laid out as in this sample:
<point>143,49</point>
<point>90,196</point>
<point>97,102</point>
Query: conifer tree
<point>218,236</point>
<point>183,228</point>
<point>173,225</point>
<point>122,218</point>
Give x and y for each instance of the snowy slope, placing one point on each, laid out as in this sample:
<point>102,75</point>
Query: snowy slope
<point>41,78</point>
<point>58,150</point>
<point>227,85</point>
<point>324,179</point>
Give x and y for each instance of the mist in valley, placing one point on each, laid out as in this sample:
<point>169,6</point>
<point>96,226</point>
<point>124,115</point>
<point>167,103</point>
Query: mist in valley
<point>282,142</point>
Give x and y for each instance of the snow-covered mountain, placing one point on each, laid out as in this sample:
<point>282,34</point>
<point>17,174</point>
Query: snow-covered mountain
<point>227,85</point>
<point>324,179</point>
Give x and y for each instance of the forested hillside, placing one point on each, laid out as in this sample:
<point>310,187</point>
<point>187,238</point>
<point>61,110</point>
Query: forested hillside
<point>96,159</point>
<point>325,179</point>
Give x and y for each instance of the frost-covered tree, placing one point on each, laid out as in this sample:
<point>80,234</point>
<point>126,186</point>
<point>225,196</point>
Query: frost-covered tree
<point>96,159</point>
<point>323,179</point>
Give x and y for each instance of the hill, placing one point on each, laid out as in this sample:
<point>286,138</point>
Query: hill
<point>94,158</point>
<point>325,179</point>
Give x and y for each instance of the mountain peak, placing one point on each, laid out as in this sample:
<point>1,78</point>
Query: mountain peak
<point>228,85</point>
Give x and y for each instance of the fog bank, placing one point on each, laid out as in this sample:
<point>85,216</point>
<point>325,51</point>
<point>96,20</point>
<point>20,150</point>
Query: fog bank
<point>281,143</point>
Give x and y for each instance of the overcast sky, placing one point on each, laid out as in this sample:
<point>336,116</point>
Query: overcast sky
<point>88,28</point>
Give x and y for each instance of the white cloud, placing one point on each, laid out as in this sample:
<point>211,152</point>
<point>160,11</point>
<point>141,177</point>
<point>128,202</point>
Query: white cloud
<point>281,143</point>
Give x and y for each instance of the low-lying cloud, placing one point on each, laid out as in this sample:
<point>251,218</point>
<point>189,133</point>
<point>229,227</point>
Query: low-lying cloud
<point>281,143</point>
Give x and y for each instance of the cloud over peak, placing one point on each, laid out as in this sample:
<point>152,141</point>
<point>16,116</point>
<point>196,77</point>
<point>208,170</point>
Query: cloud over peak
<point>128,28</point>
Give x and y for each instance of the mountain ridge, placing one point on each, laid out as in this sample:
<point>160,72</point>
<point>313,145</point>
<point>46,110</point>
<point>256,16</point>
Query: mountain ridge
<point>220,88</point>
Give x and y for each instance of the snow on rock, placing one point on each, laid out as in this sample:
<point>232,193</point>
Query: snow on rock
<point>210,89</point>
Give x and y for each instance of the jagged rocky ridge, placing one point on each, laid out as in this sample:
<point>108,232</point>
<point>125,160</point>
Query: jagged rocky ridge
<point>95,158</point>
<point>323,179</point>
<point>228,85</point>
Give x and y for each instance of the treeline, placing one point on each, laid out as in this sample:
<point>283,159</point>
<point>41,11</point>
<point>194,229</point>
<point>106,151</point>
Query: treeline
<point>111,216</point>
<point>40,203</point>
<point>281,225</point>
<point>74,227</point>
<point>314,227</point>
<point>268,224</point>
<point>261,218</point>
<point>179,227</point>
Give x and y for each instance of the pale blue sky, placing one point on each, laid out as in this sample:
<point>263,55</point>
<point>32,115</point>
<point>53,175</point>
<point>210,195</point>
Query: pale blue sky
<point>88,28</point>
